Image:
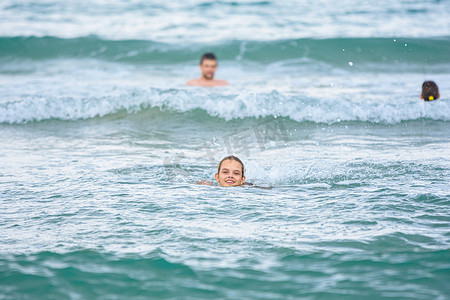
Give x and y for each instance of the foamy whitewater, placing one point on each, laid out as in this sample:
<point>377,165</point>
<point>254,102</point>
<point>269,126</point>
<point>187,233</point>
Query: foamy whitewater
<point>103,143</point>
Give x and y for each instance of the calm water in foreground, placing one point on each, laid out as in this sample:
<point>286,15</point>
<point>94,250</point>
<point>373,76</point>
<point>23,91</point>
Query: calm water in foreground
<point>102,145</point>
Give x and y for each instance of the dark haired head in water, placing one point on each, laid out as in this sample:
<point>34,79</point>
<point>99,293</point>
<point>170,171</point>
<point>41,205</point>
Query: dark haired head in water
<point>230,172</point>
<point>208,67</point>
<point>430,91</point>
<point>209,56</point>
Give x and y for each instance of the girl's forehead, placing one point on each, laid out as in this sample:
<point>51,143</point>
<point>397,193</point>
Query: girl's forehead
<point>230,164</point>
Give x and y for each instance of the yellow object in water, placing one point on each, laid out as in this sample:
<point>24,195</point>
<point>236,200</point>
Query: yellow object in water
<point>430,98</point>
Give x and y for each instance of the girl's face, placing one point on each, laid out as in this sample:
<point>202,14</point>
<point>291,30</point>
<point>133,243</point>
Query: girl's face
<point>230,173</point>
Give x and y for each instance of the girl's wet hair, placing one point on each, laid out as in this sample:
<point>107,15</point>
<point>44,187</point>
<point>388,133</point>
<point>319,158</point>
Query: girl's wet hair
<point>231,157</point>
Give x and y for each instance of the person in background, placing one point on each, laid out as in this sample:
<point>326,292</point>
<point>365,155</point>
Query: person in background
<point>430,91</point>
<point>208,66</point>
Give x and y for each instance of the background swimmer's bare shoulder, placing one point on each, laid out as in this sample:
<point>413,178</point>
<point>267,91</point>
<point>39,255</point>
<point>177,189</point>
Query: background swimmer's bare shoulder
<point>192,82</point>
<point>207,83</point>
<point>220,82</point>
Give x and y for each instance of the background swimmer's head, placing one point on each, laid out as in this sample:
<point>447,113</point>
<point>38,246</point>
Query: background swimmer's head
<point>208,56</point>
<point>430,91</point>
<point>230,171</point>
<point>208,65</point>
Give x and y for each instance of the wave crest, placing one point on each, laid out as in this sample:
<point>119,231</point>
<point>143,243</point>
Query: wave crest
<point>225,106</point>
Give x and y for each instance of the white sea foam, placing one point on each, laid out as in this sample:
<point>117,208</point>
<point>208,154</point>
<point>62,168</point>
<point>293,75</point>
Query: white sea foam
<point>226,106</point>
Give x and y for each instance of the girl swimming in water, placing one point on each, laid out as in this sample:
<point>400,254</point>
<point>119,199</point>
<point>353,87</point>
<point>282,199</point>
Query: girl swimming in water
<point>230,172</point>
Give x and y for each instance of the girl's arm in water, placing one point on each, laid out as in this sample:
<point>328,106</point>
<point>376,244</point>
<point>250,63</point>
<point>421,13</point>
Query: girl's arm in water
<point>205,182</point>
<point>249,184</point>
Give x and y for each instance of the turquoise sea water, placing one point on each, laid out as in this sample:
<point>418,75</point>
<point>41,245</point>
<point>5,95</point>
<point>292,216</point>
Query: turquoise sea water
<point>102,145</point>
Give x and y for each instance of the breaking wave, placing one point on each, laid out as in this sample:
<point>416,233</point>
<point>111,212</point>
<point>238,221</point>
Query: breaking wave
<point>225,106</point>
